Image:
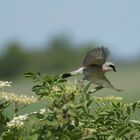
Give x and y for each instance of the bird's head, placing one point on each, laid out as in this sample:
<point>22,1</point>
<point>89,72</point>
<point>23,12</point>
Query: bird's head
<point>109,66</point>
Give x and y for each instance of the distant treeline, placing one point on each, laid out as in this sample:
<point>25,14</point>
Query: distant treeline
<point>59,55</point>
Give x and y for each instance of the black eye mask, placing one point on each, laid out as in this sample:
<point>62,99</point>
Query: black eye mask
<point>113,67</point>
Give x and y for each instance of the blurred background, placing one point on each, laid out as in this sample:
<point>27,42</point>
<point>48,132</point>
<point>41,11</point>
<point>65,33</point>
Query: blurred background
<point>53,37</point>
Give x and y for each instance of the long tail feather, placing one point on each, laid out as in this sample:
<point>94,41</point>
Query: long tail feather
<point>65,75</point>
<point>79,71</point>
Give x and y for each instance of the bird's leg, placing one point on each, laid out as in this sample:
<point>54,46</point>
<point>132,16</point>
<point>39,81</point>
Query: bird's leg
<point>96,89</point>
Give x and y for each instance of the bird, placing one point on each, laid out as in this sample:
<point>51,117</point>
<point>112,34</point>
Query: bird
<point>94,67</point>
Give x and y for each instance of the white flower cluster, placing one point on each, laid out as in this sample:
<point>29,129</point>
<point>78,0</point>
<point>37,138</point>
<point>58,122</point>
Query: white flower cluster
<point>135,121</point>
<point>21,99</point>
<point>4,84</point>
<point>108,99</point>
<point>42,111</point>
<point>56,89</point>
<point>71,87</point>
<point>17,122</point>
<point>73,123</point>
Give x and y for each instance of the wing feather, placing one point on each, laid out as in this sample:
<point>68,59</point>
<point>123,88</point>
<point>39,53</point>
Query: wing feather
<point>102,81</point>
<point>95,75</point>
<point>96,56</point>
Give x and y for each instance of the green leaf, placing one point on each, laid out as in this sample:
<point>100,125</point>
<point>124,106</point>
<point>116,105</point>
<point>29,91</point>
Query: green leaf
<point>134,106</point>
<point>32,76</point>
<point>36,88</point>
<point>29,75</point>
<point>86,87</point>
<point>123,131</point>
<point>128,110</point>
<point>111,137</point>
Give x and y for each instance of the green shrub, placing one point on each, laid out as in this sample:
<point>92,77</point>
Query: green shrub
<point>71,112</point>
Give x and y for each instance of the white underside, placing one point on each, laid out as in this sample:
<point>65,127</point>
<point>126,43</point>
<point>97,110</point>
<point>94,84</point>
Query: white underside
<point>79,71</point>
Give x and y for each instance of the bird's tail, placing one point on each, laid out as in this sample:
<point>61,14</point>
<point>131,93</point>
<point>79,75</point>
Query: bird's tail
<point>65,75</point>
<point>79,71</point>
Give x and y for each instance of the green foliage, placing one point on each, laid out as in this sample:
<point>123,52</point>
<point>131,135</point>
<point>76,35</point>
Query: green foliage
<point>3,119</point>
<point>71,112</point>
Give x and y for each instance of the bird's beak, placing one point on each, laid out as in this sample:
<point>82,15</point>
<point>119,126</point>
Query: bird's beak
<point>114,69</point>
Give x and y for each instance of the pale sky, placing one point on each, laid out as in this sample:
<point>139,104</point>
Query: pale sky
<point>114,23</point>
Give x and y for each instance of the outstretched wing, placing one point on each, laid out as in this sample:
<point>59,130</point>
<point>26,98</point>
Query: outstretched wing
<point>96,76</point>
<point>96,56</point>
<point>103,81</point>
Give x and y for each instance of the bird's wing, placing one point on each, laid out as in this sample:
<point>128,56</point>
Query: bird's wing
<point>101,80</point>
<point>96,56</point>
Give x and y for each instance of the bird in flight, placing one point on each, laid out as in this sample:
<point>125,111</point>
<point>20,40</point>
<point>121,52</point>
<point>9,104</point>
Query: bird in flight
<point>94,67</point>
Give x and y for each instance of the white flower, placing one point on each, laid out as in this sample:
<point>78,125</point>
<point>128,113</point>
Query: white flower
<point>17,122</point>
<point>42,111</point>
<point>135,121</point>
<point>21,99</point>
<point>34,112</point>
<point>108,99</point>
<point>72,122</point>
<point>48,110</point>
<point>81,123</point>
<point>4,84</point>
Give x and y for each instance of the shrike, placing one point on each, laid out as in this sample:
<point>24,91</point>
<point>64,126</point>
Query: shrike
<point>94,67</point>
